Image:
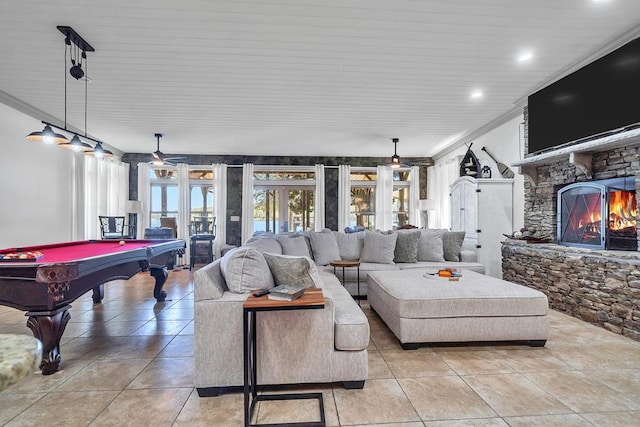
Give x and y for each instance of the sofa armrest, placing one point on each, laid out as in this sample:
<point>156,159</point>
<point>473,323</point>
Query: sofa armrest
<point>467,255</point>
<point>208,282</point>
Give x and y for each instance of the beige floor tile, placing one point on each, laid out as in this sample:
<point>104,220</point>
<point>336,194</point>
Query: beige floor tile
<point>531,359</point>
<point>161,327</point>
<point>96,314</point>
<point>137,315</point>
<point>478,422</point>
<point>383,338</point>
<point>593,396</point>
<point>377,366</point>
<point>13,404</point>
<point>412,424</point>
<point>514,395</point>
<point>166,373</point>
<point>114,328</point>
<point>142,347</point>
<point>614,419</point>
<point>188,330</point>
<point>89,347</point>
<point>176,314</point>
<point>415,363</point>
<point>226,410</point>
<point>154,407</point>
<point>36,382</point>
<point>566,420</point>
<point>65,409</point>
<point>380,401</point>
<point>474,362</point>
<point>444,397</point>
<point>103,375</point>
<point>287,411</point>
<point>180,346</point>
<point>626,381</point>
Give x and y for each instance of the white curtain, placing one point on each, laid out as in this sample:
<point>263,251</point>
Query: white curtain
<point>384,198</point>
<point>318,208</point>
<point>78,208</point>
<point>184,206</point>
<point>439,180</point>
<point>220,205</point>
<point>414,197</point>
<point>144,195</point>
<point>344,196</point>
<point>247,202</point>
<point>105,191</point>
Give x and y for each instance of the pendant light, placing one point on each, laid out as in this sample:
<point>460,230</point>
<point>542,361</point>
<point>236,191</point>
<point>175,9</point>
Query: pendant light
<point>395,159</point>
<point>47,136</point>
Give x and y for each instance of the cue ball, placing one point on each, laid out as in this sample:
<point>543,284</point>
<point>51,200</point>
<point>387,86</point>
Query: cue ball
<point>121,242</point>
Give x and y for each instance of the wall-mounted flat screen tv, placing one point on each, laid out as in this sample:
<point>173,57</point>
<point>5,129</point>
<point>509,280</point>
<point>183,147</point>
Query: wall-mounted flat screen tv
<point>601,97</point>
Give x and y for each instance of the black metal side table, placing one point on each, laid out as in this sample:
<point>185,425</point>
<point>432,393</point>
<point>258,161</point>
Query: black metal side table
<point>311,299</point>
<point>347,264</point>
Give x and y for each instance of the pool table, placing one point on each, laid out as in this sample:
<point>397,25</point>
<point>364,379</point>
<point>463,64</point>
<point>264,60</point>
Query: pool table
<point>44,280</point>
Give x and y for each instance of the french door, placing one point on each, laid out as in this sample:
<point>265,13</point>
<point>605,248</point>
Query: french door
<point>281,208</point>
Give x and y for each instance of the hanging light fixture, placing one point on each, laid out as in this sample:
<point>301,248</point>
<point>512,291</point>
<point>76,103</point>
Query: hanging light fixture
<point>395,159</point>
<point>99,152</point>
<point>76,145</point>
<point>47,136</point>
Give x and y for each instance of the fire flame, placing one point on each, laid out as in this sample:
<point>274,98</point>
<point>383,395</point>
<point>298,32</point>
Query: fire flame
<point>622,210</point>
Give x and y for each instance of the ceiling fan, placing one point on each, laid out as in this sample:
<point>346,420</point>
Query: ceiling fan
<point>395,159</point>
<point>159,158</point>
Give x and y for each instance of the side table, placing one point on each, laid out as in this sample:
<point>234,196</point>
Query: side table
<point>346,264</point>
<point>311,299</point>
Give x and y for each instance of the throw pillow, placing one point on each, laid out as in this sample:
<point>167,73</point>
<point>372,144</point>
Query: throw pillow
<point>452,243</point>
<point>294,245</point>
<point>245,269</point>
<point>350,245</point>
<point>325,247</point>
<point>378,247</point>
<point>293,270</point>
<point>430,246</point>
<point>407,246</point>
<point>265,243</point>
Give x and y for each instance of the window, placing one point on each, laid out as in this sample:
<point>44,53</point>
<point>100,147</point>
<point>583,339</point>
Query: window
<point>363,202</point>
<point>164,194</point>
<point>401,185</point>
<point>201,200</point>
<point>284,200</point>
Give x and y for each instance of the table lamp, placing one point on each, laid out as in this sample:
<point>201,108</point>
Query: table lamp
<point>425,206</point>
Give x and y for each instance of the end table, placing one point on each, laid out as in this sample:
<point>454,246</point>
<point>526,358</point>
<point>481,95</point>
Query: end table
<point>347,264</point>
<point>311,299</point>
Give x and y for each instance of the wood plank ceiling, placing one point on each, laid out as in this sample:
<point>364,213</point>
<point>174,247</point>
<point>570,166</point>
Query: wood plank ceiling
<point>298,77</point>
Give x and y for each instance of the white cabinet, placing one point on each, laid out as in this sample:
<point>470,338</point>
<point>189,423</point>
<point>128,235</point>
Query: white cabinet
<point>483,209</point>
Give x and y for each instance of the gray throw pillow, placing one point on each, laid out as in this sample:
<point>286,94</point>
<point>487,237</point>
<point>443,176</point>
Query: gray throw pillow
<point>245,269</point>
<point>350,245</point>
<point>430,246</point>
<point>293,270</point>
<point>407,246</point>
<point>325,247</point>
<point>452,243</point>
<point>294,245</point>
<point>265,243</point>
<point>378,247</point>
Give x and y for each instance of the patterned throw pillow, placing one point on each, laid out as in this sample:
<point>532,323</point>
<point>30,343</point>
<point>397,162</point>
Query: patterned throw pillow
<point>325,247</point>
<point>293,270</point>
<point>452,243</point>
<point>407,246</point>
<point>378,247</point>
<point>245,269</point>
<point>430,246</point>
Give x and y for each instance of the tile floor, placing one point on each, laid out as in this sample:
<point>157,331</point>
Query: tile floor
<point>129,361</point>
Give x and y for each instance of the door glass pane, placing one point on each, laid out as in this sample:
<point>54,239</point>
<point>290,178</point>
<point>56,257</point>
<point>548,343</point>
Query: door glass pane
<point>300,215</point>
<point>400,207</point>
<point>363,207</point>
<point>266,215</point>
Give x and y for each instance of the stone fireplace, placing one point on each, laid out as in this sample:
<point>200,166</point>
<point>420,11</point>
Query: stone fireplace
<point>584,275</point>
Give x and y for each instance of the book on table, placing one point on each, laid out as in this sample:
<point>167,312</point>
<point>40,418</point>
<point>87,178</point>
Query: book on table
<point>286,292</point>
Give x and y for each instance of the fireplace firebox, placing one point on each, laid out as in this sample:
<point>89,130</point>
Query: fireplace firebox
<point>599,214</point>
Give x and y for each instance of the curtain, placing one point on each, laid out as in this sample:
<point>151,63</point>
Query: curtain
<point>414,197</point>
<point>105,190</point>
<point>318,208</point>
<point>78,199</point>
<point>144,195</point>
<point>220,205</point>
<point>247,202</point>
<point>184,205</point>
<point>439,180</point>
<point>384,198</point>
<point>344,196</point>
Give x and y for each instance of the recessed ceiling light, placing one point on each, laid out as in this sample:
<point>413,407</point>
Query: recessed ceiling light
<point>525,56</point>
<point>476,94</point>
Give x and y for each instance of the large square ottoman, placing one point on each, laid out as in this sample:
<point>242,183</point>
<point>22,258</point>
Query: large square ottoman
<point>420,307</point>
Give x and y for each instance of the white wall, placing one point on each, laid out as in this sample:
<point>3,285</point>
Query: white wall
<point>505,144</point>
<point>35,185</point>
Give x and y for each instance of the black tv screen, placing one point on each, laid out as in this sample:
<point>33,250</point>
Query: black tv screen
<point>603,96</point>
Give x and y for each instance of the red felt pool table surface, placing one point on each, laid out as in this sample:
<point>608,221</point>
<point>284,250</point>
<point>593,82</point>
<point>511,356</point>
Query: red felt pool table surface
<point>79,250</point>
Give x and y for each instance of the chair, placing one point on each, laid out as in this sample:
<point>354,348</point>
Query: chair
<point>201,249</point>
<point>113,227</point>
<point>203,225</point>
<point>171,223</point>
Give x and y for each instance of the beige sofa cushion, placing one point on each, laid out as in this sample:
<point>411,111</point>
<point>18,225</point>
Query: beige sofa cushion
<point>245,269</point>
<point>265,243</point>
<point>325,247</point>
<point>378,247</point>
<point>430,246</point>
<point>414,294</point>
<point>350,245</point>
<point>294,245</point>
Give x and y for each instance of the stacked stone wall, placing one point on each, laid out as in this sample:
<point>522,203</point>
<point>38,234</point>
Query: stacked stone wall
<point>599,287</point>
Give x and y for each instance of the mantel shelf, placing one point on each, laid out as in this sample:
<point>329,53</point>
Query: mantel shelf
<point>579,155</point>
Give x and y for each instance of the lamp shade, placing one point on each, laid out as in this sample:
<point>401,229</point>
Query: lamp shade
<point>76,145</point>
<point>47,136</point>
<point>427,205</point>
<point>134,206</point>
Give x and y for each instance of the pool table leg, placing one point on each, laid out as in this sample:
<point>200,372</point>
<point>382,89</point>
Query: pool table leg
<point>98,294</point>
<point>48,327</point>
<point>160,273</point>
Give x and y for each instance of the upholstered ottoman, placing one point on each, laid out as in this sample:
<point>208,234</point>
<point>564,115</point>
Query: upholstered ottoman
<point>422,308</point>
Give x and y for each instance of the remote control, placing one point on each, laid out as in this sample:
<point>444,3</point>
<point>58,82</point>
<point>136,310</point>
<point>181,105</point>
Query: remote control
<point>260,293</point>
